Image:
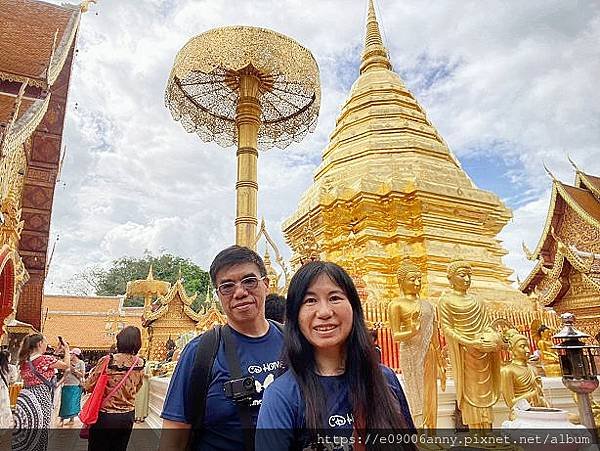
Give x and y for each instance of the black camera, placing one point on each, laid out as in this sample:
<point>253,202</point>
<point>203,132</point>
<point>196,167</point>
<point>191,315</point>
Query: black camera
<point>240,390</point>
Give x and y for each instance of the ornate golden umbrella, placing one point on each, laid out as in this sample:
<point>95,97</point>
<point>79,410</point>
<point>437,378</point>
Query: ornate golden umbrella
<point>249,85</point>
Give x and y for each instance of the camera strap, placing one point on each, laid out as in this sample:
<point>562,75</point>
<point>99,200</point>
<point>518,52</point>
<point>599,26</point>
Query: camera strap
<point>235,372</point>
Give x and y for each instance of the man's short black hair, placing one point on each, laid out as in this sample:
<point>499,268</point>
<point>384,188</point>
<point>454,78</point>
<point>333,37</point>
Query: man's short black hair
<point>235,255</point>
<point>275,307</point>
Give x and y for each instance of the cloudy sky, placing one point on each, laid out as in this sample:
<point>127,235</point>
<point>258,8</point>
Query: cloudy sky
<point>510,85</point>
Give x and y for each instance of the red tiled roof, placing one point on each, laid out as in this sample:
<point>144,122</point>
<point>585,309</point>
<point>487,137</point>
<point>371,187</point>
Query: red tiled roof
<point>27,35</point>
<point>83,331</point>
<point>82,321</point>
<point>585,200</point>
<point>81,303</point>
<point>595,181</point>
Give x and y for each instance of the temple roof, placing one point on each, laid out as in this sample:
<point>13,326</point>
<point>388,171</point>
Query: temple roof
<point>177,290</point>
<point>589,182</point>
<point>7,106</point>
<point>81,304</point>
<point>554,256</point>
<point>593,184</point>
<point>82,321</point>
<point>27,39</point>
<point>583,203</point>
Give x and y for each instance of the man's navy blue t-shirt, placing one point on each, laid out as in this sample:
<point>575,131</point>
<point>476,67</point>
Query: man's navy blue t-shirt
<point>281,422</point>
<point>259,357</point>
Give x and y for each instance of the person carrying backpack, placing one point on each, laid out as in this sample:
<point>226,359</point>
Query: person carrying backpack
<point>217,387</point>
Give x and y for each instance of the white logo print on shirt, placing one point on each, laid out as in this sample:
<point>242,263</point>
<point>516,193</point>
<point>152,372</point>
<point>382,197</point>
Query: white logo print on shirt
<point>265,367</point>
<point>260,387</point>
<point>340,420</point>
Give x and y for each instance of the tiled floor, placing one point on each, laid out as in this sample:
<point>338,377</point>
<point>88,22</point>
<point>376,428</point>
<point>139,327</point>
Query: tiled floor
<point>67,438</point>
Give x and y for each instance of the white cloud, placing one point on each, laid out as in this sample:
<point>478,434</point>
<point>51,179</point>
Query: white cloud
<point>522,73</point>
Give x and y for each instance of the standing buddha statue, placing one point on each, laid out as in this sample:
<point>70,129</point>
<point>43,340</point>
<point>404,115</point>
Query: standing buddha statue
<point>473,346</point>
<point>414,324</point>
<point>518,379</point>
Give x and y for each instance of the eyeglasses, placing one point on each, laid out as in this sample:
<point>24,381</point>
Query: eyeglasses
<point>248,283</point>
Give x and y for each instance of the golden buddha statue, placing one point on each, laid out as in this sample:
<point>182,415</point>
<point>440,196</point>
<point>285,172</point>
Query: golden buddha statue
<point>473,346</point>
<point>414,324</point>
<point>548,357</point>
<point>518,379</point>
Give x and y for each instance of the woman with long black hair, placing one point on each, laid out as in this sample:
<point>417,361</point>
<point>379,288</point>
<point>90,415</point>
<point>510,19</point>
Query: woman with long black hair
<point>334,388</point>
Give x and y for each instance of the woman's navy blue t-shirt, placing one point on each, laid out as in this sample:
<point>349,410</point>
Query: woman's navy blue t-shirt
<point>281,421</point>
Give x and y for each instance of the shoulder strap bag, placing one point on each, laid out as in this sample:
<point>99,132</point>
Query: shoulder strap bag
<point>41,378</point>
<point>91,409</point>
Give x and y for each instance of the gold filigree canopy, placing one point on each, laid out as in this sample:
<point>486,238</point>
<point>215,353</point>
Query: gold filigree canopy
<point>203,88</point>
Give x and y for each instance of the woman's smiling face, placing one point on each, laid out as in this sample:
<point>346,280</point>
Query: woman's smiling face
<point>325,316</point>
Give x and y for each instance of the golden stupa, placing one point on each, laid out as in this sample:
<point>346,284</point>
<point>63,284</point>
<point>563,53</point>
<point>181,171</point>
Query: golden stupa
<point>388,187</point>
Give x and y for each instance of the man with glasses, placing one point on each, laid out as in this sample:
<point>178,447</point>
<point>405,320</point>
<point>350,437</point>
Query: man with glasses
<point>231,403</point>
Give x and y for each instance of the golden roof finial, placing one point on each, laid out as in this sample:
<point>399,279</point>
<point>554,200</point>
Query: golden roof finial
<point>84,6</point>
<point>527,252</point>
<point>150,273</point>
<point>573,164</point>
<point>375,54</point>
<point>554,179</point>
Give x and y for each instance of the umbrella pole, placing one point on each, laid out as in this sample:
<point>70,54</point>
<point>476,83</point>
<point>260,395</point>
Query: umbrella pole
<point>247,120</point>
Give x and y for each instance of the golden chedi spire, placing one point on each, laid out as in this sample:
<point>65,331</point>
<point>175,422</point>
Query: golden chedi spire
<point>375,54</point>
<point>380,120</point>
<point>388,175</point>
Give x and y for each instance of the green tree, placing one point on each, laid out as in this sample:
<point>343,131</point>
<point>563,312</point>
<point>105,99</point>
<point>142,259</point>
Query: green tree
<point>167,267</point>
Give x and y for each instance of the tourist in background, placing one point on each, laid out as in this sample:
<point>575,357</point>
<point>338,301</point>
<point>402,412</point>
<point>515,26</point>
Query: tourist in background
<point>275,307</point>
<point>125,375</point>
<point>334,381</point>
<point>33,412</point>
<point>70,403</point>
<point>8,375</point>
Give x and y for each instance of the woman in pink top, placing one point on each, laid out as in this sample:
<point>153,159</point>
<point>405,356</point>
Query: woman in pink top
<point>34,404</point>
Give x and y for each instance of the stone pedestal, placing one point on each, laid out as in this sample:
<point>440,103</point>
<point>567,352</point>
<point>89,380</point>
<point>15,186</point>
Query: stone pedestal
<point>557,395</point>
<point>156,400</point>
